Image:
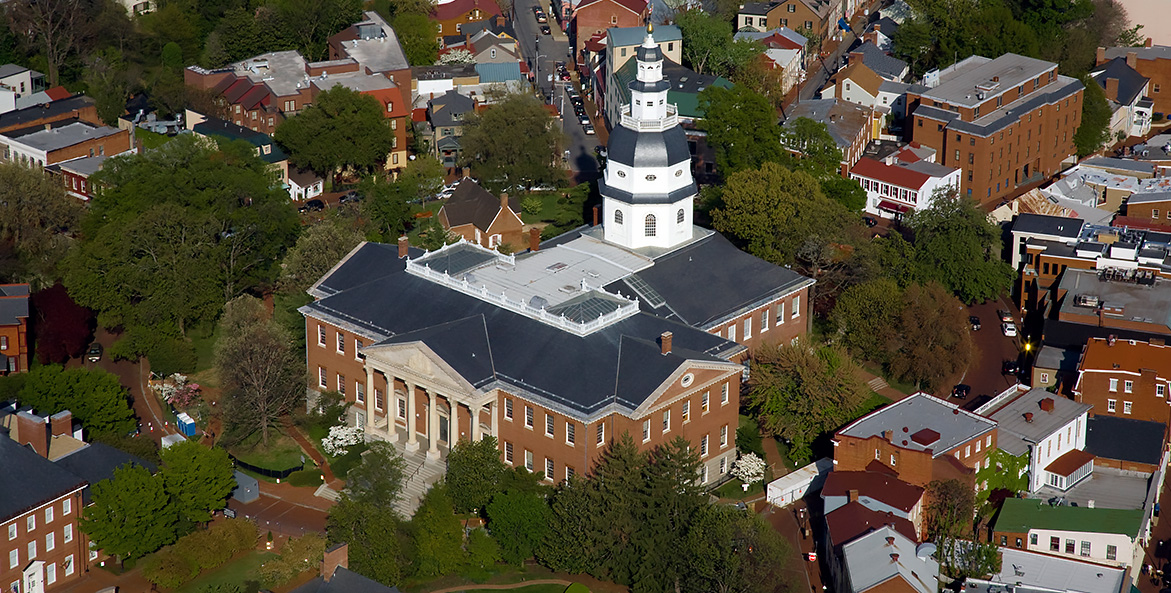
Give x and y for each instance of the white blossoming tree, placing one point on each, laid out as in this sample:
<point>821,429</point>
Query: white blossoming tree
<point>341,438</point>
<point>457,56</point>
<point>749,469</point>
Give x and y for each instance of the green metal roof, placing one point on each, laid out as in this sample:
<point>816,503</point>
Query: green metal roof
<point>686,85</point>
<point>1019,515</point>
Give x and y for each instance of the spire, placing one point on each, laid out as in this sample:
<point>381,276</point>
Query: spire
<point>649,41</point>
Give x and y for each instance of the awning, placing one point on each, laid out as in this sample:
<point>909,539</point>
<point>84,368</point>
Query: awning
<point>1071,462</point>
<point>893,207</point>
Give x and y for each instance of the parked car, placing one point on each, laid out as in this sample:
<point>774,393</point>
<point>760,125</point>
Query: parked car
<point>1009,367</point>
<point>1009,329</point>
<point>545,30</point>
<point>94,352</point>
<point>961,391</point>
<point>583,118</point>
<point>589,129</point>
<point>870,222</point>
<point>313,205</point>
<point>975,321</point>
<point>350,196</point>
<point>1005,316</point>
<point>541,18</point>
<point>600,150</point>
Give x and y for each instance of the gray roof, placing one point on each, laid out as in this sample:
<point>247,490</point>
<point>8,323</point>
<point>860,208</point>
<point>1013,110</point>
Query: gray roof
<point>43,481</point>
<point>1061,359</point>
<point>449,108</point>
<point>1149,303</point>
<point>355,81</point>
<point>1123,164</point>
<point>1130,82</point>
<point>344,580</point>
<point>887,26</point>
<point>1007,115</point>
<point>97,461</point>
<point>55,110</point>
<point>1016,433</point>
<point>472,204</point>
<point>958,83</point>
<point>757,8</point>
<point>1148,197</point>
<point>7,70</point>
<point>380,52</point>
<point>1125,439</point>
<point>1033,572</point>
<point>1108,487</point>
<point>648,149</point>
<point>921,411</point>
<point>625,36</point>
<point>1156,52</point>
<point>870,560</point>
<point>848,117</point>
<point>13,303</point>
<point>84,166</point>
<point>624,362</point>
<point>1041,224</point>
<point>888,67</point>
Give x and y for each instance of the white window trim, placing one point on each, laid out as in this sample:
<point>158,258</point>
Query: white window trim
<point>646,431</point>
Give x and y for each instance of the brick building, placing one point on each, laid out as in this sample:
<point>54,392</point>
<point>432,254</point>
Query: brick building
<point>1151,61</point>
<point>921,439</point>
<point>852,126</point>
<point>592,17</point>
<point>1006,122</point>
<point>1112,537</point>
<point>1126,378</point>
<point>75,175</point>
<point>818,16</point>
<point>53,143</point>
<point>75,108</point>
<point>480,217</point>
<point>449,17</point>
<point>14,316</point>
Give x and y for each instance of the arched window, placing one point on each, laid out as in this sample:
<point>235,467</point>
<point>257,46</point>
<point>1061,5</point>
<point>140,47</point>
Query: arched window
<point>650,225</point>
<point>679,216</point>
<point>617,217</point>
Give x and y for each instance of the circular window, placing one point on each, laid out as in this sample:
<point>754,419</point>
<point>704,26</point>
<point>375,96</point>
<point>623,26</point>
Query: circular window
<point>622,173</point>
<point>687,380</point>
<point>679,172</point>
<point>651,178</point>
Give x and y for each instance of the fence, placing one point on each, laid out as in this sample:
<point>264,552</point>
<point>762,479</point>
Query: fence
<point>268,473</point>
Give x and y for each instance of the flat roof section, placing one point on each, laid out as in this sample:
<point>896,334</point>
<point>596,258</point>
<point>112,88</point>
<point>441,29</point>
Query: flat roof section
<point>971,77</point>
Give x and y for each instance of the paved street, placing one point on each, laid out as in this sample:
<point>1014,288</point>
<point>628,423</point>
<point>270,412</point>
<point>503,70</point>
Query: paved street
<point>821,69</point>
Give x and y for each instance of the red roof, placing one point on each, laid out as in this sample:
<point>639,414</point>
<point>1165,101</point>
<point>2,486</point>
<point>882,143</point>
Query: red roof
<point>892,174</point>
<point>1137,222</point>
<point>1069,463</point>
<point>881,487</point>
<point>419,114</point>
<point>635,6</point>
<point>893,207</point>
<point>458,8</point>
<point>596,43</point>
<point>57,93</point>
<point>855,520</point>
<point>254,97</point>
<point>778,41</point>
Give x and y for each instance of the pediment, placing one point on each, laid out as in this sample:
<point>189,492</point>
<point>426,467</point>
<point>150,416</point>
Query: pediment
<point>690,377</point>
<point>415,360</point>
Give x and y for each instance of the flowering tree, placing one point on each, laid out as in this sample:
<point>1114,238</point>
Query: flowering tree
<point>749,468</point>
<point>340,439</point>
<point>176,391</point>
<point>457,56</point>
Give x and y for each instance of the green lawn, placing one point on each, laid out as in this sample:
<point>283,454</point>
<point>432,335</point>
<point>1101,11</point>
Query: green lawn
<point>150,139</point>
<point>236,572</point>
<point>875,401</point>
<point>898,385</point>
<point>281,453</point>
<point>203,341</point>
<point>529,589</point>
<point>734,489</point>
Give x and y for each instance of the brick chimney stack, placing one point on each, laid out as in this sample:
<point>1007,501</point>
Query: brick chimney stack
<point>504,201</point>
<point>1112,88</point>
<point>852,496</point>
<point>1047,404</point>
<point>665,343</point>
<point>534,239</point>
<point>1101,56</point>
<point>595,216</point>
<point>403,244</point>
<point>1132,59</point>
<point>33,430</point>
<point>61,423</point>
<point>339,555</point>
<point>1149,42</point>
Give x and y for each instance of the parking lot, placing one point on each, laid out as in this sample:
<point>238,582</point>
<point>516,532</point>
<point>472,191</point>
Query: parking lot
<point>991,349</point>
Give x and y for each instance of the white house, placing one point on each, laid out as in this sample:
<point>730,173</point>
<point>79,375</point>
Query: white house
<point>304,185</point>
<point>1051,430</point>
<point>20,80</point>
<point>1126,90</point>
<point>901,180</point>
<point>885,557</point>
<point>1112,537</point>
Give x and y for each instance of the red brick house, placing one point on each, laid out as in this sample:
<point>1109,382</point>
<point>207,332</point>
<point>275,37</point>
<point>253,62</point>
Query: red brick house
<point>593,17</point>
<point>476,215</point>
<point>1126,378</point>
<point>14,316</point>
<point>449,17</point>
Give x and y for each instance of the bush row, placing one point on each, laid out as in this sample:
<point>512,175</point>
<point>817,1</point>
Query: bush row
<point>174,565</point>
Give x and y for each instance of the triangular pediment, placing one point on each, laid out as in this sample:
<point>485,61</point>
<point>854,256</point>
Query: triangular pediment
<point>416,360</point>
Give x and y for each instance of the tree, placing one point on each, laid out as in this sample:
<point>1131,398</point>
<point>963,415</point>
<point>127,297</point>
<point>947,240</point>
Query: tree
<point>36,216</point>
<point>457,56</point>
<point>958,247</point>
<point>847,192</point>
<point>1094,131</point>
<point>59,27</point>
<point>298,555</point>
<point>62,328</point>
<point>106,81</point>
<point>740,126</point>
<point>416,33</point>
<point>438,536</point>
<point>386,207</point>
<point>773,211</point>
<point>932,339</point>
<point>817,151</point>
<point>263,377</point>
<point>131,515</point>
<point>863,315</point>
<point>378,481</point>
<point>494,154</point>
<point>799,392</point>
<point>1006,472</point>
<point>519,521</point>
<point>765,80</point>
<point>95,397</point>
<point>672,495</point>
<point>342,130</point>
<point>316,252</point>
<point>309,23</point>
<point>708,44</point>
<point>372,535</point>
<point>422,178</point>
<point>198,479</point>
<point>575,538</point>
<point>483,551</point>
<point>950,509</point>
<point>619,478</point>
<point>732,551</point>
<point>474,473</point>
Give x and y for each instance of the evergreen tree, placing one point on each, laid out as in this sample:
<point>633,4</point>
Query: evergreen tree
<point>372,533</point>
<point>519,521</point>
<point>575,538</point>
<point>672,496</point>
<point>474,473</point>
<point>619,476</point>
<point>438,536</point>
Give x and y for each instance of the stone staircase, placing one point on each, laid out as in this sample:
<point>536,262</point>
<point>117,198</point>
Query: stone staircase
<point>324,491</point>
<point>877,384</point>
<point>421,473</point>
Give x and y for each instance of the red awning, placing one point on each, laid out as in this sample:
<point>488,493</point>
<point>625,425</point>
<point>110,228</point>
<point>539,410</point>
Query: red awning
<point>893,207</point>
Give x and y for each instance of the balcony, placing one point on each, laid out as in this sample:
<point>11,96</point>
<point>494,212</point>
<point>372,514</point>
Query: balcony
<point>651,125</point>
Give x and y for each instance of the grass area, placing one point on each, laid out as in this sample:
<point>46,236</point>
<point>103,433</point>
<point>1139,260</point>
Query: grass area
<point>877,369</point>
<point>875,401</point>
<point>783,451</point>
<point>529,589</point>
<point>734,490</point>
<point>236,572</point>
<point>203,341</point>
<point>281,453</point>
<point>550,208</point>
<point>151,139</point>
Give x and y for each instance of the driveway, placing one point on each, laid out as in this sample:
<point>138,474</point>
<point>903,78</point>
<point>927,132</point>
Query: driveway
<point>133,376</point>
<point>991,349</point>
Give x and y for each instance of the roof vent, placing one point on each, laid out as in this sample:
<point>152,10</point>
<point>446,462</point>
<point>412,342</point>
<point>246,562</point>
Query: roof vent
<point>894,558</point>
<point>890,540</point>
<point>925,437</point>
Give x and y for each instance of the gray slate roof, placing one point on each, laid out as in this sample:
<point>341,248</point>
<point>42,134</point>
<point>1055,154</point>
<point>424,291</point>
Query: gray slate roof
<point>917,412</point>
<point>888,67</point>
<point>448,110</point>
<point>1122,164</point>
<point>1148,197</point>
<point>1125,439</point>
<point>1016,433</point>
<point>13,303</point>
<point>869,561</point>
<point>56,109</point>
<point>58,137</point>
<point>472,204</point>
<point>97,461</point>
<point>7,70</point>
<point>1041,224</point>
<point>344,580</point>
<point>1130,82</point>
<point>43,481</point>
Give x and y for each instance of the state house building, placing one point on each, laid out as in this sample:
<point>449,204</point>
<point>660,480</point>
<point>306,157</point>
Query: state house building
<point>639,325</point>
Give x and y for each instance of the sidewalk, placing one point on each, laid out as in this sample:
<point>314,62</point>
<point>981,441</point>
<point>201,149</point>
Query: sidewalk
<point>306,445</point>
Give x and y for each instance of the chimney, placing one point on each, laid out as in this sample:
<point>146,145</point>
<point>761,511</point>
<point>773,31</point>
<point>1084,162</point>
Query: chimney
<point>1101,57</point>
<point>1112,88</point>
<point>504,201</point>
<point>61,423</point>
<point>338,555</point>
<point>467,172</point>
<point>877,27</point>
<point>888,434</point>
<point>1132,59</point>
<point>595,216</point>
<point>665,343</point>
<point>534,239</point>
<point>48,127</point>
<point>852,496</point>
<point>33,430</point>
<point>1148,42</point>
<point>1047,404</point>
<point>1028,416</point>
<point>403,244</point>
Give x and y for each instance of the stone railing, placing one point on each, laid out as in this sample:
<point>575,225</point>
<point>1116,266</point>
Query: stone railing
<point>651,125</point>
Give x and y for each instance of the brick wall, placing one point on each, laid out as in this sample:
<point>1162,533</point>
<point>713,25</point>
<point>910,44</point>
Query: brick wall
<point>783,327</point>
<point>108,146</point>
<point>1095,389</point>
<point>43,533</point>
<point>596,17</point>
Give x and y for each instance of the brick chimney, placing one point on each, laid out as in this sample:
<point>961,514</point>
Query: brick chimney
<point>403,244</point>
<point>1112,88</point>
<point>1047,404</point>
<point>1148,43</point>
<point>852,496</point>
<point>338,555</point>
<point>1132,59</point>
<point>504,201</point>
<point>1101,56</point>
<point>467,172</point>
<point>61,423</point>
<point>665,343</point>
<point>595,216</point>
<point>534,239</point>
<point>1028,416</point>
<point>33,430</point>
<point>888,435</point>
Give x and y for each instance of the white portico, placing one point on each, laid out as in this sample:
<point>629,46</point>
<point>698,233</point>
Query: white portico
<point>647,188</point>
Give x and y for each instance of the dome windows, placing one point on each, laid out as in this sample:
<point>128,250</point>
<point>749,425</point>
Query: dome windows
<point>617,217</point>
<point>650,225</point>
<point>651,177</point>
<point>679,172</point>
<point>621,173</point>
<point>679,216</point>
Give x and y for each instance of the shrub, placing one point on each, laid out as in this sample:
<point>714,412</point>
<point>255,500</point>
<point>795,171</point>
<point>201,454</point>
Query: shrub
<point>341,438</point>
<point>531,205</point>
<point>305,477</point>
<point>299,554</point>
<point>342,465</point>
<point>240,534</point>
<point>168,568</point>
<point>172,356</point>
<point>205,549</point>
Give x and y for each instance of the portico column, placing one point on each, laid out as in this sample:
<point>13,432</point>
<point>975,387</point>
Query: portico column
<point>495,421</point>
<point>453,434</point>
<point>391,409</point>
<point>432,426</point>
<point>476,422</point>
<point>412,422</point>
<point>369,398</point>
